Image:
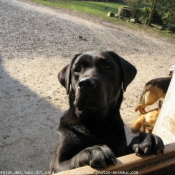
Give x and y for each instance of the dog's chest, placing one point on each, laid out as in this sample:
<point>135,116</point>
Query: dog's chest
<point>95,133</point>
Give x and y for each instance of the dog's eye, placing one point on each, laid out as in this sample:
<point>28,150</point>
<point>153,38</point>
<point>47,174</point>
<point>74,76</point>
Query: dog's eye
<point>107,67</point>
<point>77,69</point>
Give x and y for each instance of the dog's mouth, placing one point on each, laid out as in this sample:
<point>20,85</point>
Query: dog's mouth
<point>85,101</point>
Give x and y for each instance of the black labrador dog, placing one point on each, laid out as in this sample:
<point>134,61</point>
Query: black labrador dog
<point>92,132</point>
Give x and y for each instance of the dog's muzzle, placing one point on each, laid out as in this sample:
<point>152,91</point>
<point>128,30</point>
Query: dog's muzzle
<point>90,94</point>
<point>87,84</point>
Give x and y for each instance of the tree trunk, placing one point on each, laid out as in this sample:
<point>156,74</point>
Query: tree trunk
<point>153,7</point>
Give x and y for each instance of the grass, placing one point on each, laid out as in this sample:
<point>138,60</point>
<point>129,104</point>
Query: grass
<point>100,9</point>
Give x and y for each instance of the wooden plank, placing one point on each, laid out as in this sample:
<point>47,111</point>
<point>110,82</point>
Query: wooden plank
<point>157,166</point>
<point>132,164</point>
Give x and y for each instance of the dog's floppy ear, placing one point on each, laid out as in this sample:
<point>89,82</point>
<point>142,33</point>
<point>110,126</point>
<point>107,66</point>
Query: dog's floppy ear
<point>128,70</point>
<point>64,76</point>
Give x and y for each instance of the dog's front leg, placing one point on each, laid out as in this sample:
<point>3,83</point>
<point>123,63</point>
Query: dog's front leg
<point>146,143</point>
<point>95,156</point>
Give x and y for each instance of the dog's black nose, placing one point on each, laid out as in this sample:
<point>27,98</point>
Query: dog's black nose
<point>87,83</point>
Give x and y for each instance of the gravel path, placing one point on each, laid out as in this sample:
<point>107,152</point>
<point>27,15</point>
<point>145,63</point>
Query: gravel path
<point>35,43</point>
<point>29,31</point>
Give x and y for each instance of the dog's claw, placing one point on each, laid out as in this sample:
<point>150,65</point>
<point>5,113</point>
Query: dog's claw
<point>158,152</point>
<point>114,161</point>
<point>103,165</point>
<point>137,151</point>
<point>147,150</point>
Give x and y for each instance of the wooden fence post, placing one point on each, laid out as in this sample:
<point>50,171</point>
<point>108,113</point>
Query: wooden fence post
<point>165,125</point>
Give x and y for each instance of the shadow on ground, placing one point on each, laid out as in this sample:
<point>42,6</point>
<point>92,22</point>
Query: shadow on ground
<point>28,125</point>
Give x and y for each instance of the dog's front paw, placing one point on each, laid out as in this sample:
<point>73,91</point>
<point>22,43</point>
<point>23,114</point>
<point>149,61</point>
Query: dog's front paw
<point>96,157</point>
<point>146,143</point>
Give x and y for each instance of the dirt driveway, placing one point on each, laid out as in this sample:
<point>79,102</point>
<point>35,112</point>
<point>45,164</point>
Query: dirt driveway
<point>35,43</point>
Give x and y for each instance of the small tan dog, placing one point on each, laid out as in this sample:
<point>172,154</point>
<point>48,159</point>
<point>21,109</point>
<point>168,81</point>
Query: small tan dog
<point>152,92</point>
<point>146,122</point>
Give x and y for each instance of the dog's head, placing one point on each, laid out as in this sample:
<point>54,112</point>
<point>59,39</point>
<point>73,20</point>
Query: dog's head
<point>96,79</point>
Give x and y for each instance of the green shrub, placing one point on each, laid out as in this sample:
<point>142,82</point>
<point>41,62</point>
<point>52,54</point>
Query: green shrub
<point>133,6</point>
<point>145,15</point>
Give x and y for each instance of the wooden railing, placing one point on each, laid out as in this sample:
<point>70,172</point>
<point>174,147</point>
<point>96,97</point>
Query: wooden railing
<point>133,164</point>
